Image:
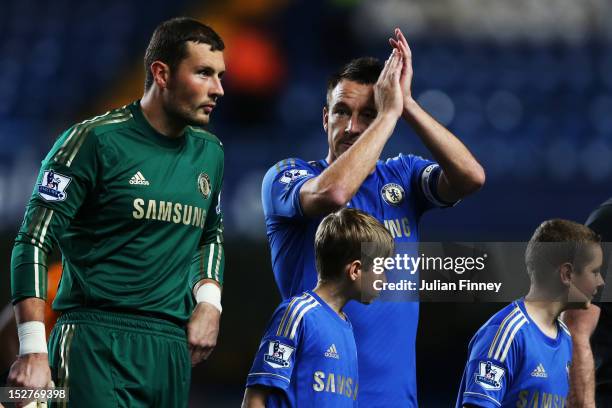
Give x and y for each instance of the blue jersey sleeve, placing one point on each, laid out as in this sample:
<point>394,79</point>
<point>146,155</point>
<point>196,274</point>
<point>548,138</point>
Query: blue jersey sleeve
<point>280,190</point>
<point>275,358</point>
<point>489,370</point>
<point>421,176</point>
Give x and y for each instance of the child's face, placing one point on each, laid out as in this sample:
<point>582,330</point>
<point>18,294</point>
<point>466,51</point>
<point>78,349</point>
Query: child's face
<point>366,285</point>
<point>586,282</point>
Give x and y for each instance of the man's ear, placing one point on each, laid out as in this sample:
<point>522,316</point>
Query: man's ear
<point>565,273</point>
<point>161,73</point>
<point>325,117</point>
<point>353,270</point>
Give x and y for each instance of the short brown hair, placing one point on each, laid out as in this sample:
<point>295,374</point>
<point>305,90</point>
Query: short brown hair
<point>339,239</point>
<point>168,43</point>
<point>556,242</point>
<point>364,70</point>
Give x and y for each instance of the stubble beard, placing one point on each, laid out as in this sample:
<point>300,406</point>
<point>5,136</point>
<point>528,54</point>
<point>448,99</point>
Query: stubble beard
<point>182,115</point>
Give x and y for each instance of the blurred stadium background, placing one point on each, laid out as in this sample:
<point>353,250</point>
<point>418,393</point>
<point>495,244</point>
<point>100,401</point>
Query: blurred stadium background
<point>526,84</point>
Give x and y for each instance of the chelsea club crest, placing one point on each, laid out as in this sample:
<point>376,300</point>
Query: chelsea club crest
<point>392,193</point>
<point>204,185</point>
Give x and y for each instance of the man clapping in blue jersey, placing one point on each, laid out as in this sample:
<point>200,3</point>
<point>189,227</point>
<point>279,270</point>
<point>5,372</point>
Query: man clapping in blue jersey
<point>522,355</point>
<point>364,102</point>
<point>308,357</point>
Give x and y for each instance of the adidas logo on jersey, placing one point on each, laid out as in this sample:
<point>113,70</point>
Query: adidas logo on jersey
<point>138,178</point>
<point>332,352</point>
<point>539,372</point>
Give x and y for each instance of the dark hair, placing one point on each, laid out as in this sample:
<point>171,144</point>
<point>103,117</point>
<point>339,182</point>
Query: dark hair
<point>364,70</point>
<point>556,242</point>
<point>339,239</point>
<point>168,43</point>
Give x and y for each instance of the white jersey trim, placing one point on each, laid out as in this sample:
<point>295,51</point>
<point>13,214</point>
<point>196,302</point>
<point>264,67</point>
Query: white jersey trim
<point>270,375</point>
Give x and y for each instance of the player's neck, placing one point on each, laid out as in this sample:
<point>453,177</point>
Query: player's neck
<point>334,295</point>
<point>544,313</point>
<point>157,117</point>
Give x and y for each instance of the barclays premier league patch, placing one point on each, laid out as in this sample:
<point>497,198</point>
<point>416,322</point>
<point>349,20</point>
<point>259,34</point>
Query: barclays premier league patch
<point>293,174</point>
<point>489,375</point>
<point>53,186</point>
<point>278,355</point>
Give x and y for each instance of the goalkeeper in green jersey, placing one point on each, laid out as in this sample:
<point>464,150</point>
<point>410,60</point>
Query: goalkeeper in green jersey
<point>132,199</point>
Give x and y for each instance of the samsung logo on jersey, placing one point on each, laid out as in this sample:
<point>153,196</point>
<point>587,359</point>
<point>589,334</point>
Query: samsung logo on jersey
<point>537,399</point>
<point>335,384</point>
<point>168,211</point>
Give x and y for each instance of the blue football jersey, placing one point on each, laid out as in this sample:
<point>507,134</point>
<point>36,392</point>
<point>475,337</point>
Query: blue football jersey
<point>511,363</point>
<point>308,355</point>
<point>397,193</point>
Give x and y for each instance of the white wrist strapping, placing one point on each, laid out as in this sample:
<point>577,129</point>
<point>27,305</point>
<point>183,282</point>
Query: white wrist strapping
<point>32,338</point>
<point>209,293</point>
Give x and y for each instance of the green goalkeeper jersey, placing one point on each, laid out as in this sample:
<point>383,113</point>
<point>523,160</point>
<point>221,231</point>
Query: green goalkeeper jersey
<point>136,216</point>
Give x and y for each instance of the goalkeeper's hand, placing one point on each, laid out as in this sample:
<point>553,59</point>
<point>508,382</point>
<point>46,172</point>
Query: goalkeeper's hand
<point>30,371</point>
<point>202,331</point>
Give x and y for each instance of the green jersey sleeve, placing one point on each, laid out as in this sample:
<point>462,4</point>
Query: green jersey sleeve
<point>209,260</point>
<point>67,175</point>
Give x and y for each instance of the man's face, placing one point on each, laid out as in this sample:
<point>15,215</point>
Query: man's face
<point>587,281</point>
<point>350,110</point>
<point>195,85</point>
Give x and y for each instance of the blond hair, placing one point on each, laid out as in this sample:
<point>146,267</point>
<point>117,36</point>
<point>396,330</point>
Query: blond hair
<point>339,239</point>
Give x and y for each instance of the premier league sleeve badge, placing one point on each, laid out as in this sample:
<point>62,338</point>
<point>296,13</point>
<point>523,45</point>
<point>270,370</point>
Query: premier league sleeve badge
<point>278,355</point>
<point>489,375</point>
<point>53,186</point>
